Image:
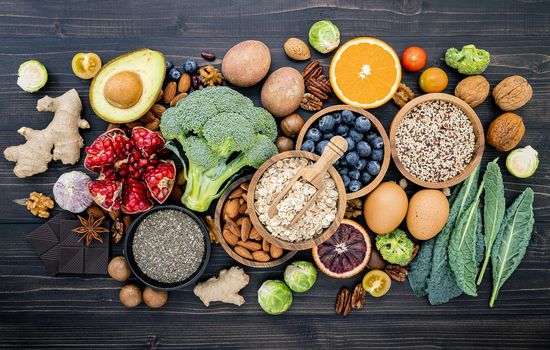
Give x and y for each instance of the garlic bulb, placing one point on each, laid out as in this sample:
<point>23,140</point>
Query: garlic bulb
<point>71,191</point>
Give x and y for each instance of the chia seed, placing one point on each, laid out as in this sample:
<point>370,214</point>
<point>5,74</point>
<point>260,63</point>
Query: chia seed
<point>435,141</point>
<point>168,246</point>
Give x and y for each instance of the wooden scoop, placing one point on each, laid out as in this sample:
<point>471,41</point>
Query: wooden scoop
<point>313,174</point>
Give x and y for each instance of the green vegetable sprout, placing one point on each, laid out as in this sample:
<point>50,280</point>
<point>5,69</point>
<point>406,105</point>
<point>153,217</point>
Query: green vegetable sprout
<point>220,132</point>
<point>395,247</point>
<point>470,60</point>
<point>274,297</point>
<point>300,276</point>
<point>324,36</point>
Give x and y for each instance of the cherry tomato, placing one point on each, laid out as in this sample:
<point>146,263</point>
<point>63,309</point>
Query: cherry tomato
<point>414,58</point>
<point>376,283</point>
<point>86,65</point>
<point>433,80</point>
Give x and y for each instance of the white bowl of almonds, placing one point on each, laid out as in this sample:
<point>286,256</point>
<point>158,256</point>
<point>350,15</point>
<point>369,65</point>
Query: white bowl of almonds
<point>437,140</point>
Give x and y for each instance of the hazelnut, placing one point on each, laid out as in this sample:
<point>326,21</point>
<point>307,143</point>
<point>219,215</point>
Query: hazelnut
<point>123,90</point>
<point>292,124</point>
<point>284,144</point>
<point>130,295</point>
<point>118,269</point>
<point>154,298</point>
<point>505,131</point>
<point>473,90</point>
<point>512,93</point>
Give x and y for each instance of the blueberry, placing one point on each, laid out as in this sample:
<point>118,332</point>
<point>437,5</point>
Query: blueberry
<point>370,137</point>
<point>351,143</point>
<point>354,186</point>
<point>321,147</point>
<point>355,135</point>
<point>361,164</point>
<point>328,136</point>
<point>354,174</point>
<point>337,118</point>
<point>326,123</point>
<point>366,178</point>
<point>362,124</point>
<point>378,142</point>
<point>308,146</point>
<point>336,164</point>
<point>342,130</point>
<point>377,154</point>
<point>373,167</point>
<point>363,149</point>
<point>190,66</point>
<point>343,162</point>
<point>174,74</point>
<point>352,158</point>
<point>348,117</point>
<point>343,170</point>
<point>346,180</point>
<point>169,65</point>
<point>313,134</point>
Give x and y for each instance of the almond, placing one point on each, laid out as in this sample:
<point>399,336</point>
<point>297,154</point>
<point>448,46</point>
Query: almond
<point>261,256</point>
<point>233,227</point>
<point>231,209</point>
<point>178,98</point>
<point>242,209</point>
<point>170,92</point>
<point>112,126</point>
<point>230,238</point>
<point>254,234</point>
<point>157,110</point>
<point>185,83</point>
<point>160,95</point>
<point>154,125</point>
<point>243,252</point>
<point>275,251</point>
<point>244,186</point>
<point>245,228</point>
<point>297,49</point>
<point>236,193</point>
<point>266,245</point>
<point>147,117</point>
<point>133,124</point>
<point>251,246</point>
<point>95,211</point>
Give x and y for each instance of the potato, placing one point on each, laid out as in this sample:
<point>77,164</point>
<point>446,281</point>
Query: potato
<point>283,91</point>
<point>246,63</point>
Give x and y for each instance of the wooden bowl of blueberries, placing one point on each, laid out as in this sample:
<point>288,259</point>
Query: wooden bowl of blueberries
<point>367,159</point>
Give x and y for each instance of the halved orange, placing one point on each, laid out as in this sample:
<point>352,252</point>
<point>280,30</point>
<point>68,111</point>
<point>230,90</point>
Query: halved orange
<point>365,72</point>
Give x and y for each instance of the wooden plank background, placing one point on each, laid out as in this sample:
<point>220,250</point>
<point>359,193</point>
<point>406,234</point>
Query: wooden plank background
<point>37,311</point>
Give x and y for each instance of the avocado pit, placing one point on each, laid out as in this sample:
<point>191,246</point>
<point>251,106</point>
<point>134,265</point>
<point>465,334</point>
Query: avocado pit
<point>124,89</point>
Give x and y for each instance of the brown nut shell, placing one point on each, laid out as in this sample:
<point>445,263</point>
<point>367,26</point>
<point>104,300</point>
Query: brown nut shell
<point>505,132</point>
<point>473,90</point>
<point>292,124</point>
<point>284,144</point>
<point>512,93</point>
<point>297,49</point>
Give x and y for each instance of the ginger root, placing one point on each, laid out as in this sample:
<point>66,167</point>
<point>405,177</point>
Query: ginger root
<point>61,134</point>
<point>224,288</point>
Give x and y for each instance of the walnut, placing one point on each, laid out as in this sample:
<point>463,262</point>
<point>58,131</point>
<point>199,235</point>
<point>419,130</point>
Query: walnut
<point>358,297</point>
<point>210,76</point>
<point>505,131</point>
<point>354,208</point>
<point>512,93</point>
<point>396,272</point>
<point>311,102</point>
<point>209,221</point>
<point>38,204</point>
<point>473,90</point>
<point>343,302</point>
<point>403,95</point>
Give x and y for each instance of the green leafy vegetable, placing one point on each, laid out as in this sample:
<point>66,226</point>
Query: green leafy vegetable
<point>493,210</point>
<point>470,60</point>
<point>441,285</point>
<point>462,247</point>
<point>512,240</point>
<point>480,243</point>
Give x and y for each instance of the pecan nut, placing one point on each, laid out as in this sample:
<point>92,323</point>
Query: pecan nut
<point>311,102</point>
<point>343,302</point>
<point>414,253</point>
<point>396,272</point>
<point>358,297</point>
<point>319,87</point>
<point>403,95</point>
<point>312,70</point>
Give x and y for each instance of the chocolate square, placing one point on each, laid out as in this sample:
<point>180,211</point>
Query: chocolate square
<point>67,237</point>
<point>71,260</point>
<point>96,260</point>
<point>43,238</point>
<point>51,260</point>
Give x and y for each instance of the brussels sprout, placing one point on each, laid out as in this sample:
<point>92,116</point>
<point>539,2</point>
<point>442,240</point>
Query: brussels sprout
<point>324,36</point>
<point>32,76</point>
<point>300,276</point>
<point>522,162</point>
<point>274,297</point>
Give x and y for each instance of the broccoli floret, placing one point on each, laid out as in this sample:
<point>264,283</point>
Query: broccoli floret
<point>470,60</point>
<point>221,132</point>
<point>395,247</point>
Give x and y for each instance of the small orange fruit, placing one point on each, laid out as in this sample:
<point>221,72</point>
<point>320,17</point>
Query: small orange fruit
<point>365,72</point>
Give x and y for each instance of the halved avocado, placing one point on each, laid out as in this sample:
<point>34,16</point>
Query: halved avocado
<point>128,86</point>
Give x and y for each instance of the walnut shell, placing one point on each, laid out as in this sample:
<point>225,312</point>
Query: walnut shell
<point>473,90</point>
<point>505,131</point>
<point>512,93</point>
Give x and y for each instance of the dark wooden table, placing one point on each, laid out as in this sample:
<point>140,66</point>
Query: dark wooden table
<point>40,311</point>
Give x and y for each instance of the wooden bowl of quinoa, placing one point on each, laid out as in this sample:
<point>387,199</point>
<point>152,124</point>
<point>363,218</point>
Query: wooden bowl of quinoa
<point>437,140</point>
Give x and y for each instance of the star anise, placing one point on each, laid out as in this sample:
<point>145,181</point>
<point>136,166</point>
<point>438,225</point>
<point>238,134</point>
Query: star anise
<point>91,229</point>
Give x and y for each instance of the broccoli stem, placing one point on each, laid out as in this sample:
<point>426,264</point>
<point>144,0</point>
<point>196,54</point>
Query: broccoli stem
<point>205,186</point>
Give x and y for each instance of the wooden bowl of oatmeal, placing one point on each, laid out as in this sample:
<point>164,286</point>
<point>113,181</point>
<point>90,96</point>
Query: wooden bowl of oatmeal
<point>437,140</point>
<point>318,223</point>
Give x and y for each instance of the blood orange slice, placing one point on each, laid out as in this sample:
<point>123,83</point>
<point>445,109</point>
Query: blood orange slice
<point>346,253</point>
<point>365,72</point>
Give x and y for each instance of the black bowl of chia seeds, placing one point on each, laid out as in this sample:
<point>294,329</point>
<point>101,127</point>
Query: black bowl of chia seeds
<point>167,247</point>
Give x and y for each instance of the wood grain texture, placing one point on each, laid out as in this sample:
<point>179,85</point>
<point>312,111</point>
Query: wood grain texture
<point>38,311</point>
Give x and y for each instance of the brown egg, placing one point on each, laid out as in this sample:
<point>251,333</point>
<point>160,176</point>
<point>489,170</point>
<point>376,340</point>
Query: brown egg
<point>385,207</point>
<point>428,212</point>
<point>123,89</point>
